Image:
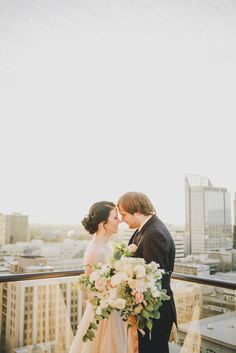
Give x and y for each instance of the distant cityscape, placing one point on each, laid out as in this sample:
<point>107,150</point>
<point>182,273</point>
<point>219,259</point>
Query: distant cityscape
<point>42,316</point>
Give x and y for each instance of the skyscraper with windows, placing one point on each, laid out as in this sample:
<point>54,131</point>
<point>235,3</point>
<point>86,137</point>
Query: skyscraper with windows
<point>2,229</point>
<point>234,241</point>
<point>39,313</point>
<point>208,215</point>
<point>16,228</point>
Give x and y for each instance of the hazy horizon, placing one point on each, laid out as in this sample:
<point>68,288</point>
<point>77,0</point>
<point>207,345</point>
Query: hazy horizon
<point>100,98</point>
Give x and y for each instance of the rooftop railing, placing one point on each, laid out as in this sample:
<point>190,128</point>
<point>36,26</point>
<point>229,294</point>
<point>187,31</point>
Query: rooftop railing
<point>55,274</point>
<point>40,312</point>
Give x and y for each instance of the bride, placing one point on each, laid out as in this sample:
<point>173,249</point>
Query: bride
<point>111,335</point>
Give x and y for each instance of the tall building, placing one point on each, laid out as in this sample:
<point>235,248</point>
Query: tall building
<point>234,242</point>
<point>16,228</point>
<point>2,229</point>
<point>208,215</point>
<point>41,314</point>
<point>178,235</point>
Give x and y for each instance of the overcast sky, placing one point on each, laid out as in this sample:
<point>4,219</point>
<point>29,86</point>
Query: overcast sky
<point>103,97</point>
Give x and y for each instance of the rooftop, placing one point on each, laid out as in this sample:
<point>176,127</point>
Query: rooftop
<point>220,328</point>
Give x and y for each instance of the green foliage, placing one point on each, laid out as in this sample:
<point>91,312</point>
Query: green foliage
<point>120,250</point>
<point>93,326</point>
<point>149,325</point>
<point>145,314</point>
<point>141,322</point>
<point>90,332</point>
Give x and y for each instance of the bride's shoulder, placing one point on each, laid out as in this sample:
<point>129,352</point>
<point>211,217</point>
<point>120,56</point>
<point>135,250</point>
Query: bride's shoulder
<point>92,254</point>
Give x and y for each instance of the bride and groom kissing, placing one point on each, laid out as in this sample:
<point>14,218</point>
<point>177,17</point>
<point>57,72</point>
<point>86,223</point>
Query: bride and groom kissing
<point>153,243</point>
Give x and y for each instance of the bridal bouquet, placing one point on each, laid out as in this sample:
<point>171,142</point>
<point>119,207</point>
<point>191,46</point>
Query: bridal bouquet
<point>126,284</point>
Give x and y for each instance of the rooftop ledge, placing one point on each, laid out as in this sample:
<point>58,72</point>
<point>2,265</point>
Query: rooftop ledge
<point>56,274</point>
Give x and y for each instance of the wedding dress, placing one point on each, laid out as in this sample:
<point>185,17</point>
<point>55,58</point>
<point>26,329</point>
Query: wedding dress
<point>111,335</point>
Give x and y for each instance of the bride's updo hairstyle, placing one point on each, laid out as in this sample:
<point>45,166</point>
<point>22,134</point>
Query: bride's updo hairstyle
<point>98,212</point>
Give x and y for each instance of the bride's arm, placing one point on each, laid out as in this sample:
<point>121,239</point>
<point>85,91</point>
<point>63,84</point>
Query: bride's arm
<point>91,258</point>
<point>88,270</point>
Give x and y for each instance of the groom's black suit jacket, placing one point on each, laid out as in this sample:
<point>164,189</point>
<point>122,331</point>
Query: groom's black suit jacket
<point>155,243</point>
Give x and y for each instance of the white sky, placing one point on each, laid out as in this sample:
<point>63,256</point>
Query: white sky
<point>103,97</point>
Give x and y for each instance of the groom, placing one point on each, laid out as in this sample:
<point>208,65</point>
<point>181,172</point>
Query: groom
<point>154,243</point>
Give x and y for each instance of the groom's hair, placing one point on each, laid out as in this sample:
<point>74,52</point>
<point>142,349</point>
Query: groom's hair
<point>133,202</point>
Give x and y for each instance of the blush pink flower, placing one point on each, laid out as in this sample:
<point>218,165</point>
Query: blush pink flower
<point>100,284</point>
<point>139,297</point>
<point>132,248</point>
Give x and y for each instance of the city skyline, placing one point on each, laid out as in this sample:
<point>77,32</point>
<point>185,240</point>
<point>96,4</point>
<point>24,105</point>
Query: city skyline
<point>40,220</point>
<point>99,99</point>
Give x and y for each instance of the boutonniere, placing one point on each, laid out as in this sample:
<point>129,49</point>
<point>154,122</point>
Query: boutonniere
<point>132,248</point>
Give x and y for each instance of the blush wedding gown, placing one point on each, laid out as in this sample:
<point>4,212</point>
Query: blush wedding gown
<point>111,335</point>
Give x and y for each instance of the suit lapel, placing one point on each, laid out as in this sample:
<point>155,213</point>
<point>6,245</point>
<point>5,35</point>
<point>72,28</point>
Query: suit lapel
<point>146,225</point>
<point>133,236</point>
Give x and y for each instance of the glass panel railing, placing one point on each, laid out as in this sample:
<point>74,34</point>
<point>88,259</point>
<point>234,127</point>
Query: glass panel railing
<point>206,319</point>
<point>42,316</point>
<point>39,316</point>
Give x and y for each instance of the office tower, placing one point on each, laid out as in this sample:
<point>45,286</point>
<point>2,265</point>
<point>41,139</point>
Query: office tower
<point>16,228</point>
<point>178,236</point>
<point>2,229</point>
<point>208,215</point>
<point>39,312</point>
<point>179,244</point>
<point>234,241</point>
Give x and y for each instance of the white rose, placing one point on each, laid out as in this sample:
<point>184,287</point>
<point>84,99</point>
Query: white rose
<point>159,273</point>
<point>99,310</point>
<point>132,283</point>
<point>104,304</point>
<point>128,269</point>
<point>94,275</point>
<point>153,266</point>
<point>140,285</point>
<point>113,293</point>
<point>112,303</point>
<point>140,271</point>
<point>118,304</point>
<point>104,269</point>
<point>150,281</point>
<point>118,278</point>
<point>118,265</point>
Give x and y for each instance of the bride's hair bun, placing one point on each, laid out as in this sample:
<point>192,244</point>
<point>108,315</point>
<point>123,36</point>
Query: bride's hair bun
<point>99,212</point>
<point>89,224</point>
